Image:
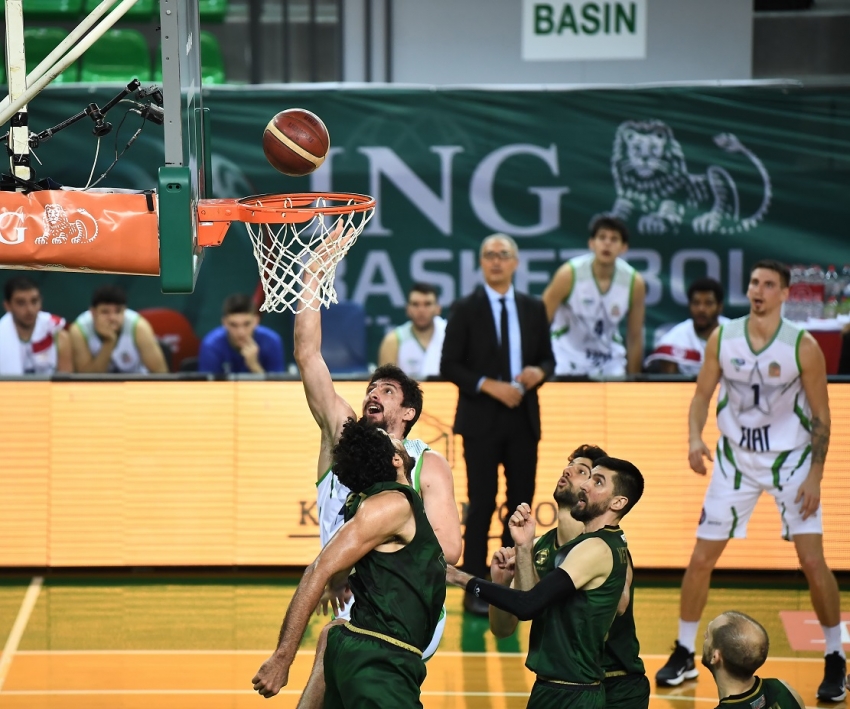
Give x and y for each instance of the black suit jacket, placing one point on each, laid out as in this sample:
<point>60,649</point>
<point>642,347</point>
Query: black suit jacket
<point>471,351</point>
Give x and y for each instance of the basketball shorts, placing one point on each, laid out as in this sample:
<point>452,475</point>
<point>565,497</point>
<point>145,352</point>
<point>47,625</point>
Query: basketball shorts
<point>626,692</point>
<point>362,672</point>
<point>552,695</point>
<point>435,640</point>
<point>738,479</point>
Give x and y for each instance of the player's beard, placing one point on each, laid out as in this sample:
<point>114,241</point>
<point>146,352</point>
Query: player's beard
<point>706,661</point>
<point>566,498</point>
<point>588,512</point>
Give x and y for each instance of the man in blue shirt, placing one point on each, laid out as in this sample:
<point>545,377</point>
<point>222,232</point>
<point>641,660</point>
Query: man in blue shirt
<point>241,344</point>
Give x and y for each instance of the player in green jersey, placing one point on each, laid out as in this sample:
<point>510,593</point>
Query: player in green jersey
<point>735,647</point>
<point>573,605</point>
<point>626,685</point>
<point>375,659</point>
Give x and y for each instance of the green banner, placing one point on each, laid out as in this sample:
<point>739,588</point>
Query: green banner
<point>709,179</point>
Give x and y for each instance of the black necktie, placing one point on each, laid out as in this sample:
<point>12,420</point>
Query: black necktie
<point>505,345</point>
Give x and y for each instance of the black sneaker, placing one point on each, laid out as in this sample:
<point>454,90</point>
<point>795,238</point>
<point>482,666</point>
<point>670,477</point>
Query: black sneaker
<point>832,689</point>
<point>679,667</point>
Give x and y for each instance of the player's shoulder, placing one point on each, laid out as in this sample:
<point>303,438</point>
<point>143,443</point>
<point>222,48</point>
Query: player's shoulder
<point>214,337</point>
<point>675,334</point>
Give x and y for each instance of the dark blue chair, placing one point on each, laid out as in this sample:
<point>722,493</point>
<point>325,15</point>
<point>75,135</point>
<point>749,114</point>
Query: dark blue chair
<point>344,338</point>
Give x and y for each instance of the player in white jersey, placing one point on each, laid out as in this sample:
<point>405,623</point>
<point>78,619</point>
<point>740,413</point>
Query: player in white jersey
<point>393,401</point>
<point>774,420</point>
<point>680,350</point>
<point>587,299</point>
<point>109,337</point>
<point>417,345</point>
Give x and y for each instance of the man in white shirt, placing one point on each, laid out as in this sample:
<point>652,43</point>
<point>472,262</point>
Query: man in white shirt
<point>415,346</point>
<point>111,338</point>
<point>681,349</point>
<point>32,341</point>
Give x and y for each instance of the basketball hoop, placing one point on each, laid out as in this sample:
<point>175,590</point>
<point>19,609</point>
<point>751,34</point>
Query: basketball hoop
<point>298,240</point>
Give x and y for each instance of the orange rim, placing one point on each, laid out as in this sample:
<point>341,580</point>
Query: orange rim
<point>282,208</point>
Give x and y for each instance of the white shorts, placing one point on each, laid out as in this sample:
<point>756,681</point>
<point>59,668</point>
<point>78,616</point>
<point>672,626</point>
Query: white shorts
<point>737,481</point>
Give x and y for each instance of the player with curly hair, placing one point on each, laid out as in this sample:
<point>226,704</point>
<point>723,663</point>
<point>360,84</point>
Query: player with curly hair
<point>375,659</point>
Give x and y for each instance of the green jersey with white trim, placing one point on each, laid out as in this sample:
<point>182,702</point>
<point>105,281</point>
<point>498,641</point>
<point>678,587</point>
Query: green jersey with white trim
<point>586,326</point>
<point>761,405</point>
<point>765,694</point>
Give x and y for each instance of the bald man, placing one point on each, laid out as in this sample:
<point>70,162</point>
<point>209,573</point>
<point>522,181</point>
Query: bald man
<point>735,647</point>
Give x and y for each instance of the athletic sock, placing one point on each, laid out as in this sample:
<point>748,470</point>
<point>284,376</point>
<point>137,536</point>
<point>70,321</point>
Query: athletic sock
<point>688,633</point>
<point>833,640</point>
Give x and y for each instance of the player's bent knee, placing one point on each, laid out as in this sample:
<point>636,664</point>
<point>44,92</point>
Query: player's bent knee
<point>705,554</point>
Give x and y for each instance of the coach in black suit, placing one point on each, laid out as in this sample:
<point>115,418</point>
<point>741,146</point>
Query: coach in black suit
<point>498,414</point>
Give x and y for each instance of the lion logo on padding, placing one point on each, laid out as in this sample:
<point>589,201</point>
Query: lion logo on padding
<point>58,228</point>
<point>652,178</point>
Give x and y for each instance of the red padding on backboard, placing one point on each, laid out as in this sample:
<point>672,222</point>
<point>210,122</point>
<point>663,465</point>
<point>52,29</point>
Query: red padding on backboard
<point>79,231</point>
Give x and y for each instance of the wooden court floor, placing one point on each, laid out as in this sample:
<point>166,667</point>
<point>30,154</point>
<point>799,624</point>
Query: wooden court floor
<point>195,641</point>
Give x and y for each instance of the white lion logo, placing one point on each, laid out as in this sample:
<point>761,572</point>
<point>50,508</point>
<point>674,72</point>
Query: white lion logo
<point>58,228</point>
<point>650,175</point>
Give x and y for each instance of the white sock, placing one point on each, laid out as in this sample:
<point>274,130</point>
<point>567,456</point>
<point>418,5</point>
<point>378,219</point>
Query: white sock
<point>833,640</point>
<point>688,633</point>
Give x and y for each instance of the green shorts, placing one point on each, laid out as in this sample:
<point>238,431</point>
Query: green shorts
<point>362,672</point>
<point>627,692</point>
<point>551,695</point>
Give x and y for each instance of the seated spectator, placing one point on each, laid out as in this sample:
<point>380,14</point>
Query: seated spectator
<point>240,344</point>
<point>681,349</point>
<point>111,338</point>
<point>416,346</point>
<point>32,341</point>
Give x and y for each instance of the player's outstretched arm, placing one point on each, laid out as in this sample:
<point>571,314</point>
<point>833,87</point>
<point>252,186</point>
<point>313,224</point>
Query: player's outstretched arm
<point>707,380</point>
<point>634,326</point>
<point>813,378</point>
<point>591,565</point>
<point>328,409</point>
<point>558,289</point>
<point>438,497</point>
<point>379,519</point>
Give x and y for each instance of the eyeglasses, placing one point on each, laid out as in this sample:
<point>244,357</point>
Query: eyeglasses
<point>497,255</point>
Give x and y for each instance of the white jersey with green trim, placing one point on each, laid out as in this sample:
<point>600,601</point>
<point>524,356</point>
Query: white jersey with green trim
<point>762,405</point>
<point>417,361</point>
<point>586,326</point>
<point>126,358</point>
<point>331,494</point>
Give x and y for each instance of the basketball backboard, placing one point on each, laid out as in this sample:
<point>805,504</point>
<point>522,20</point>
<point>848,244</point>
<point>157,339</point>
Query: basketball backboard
<point>183,180</point>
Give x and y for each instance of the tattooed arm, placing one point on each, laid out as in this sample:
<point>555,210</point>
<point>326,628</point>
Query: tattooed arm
<point>813,377</point>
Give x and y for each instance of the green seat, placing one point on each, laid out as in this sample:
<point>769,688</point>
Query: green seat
<point>142,10</point>
<point>54,9</point>
<point>39,42</point>
<point>212,10</point>
<point>212,62</point>
<point>117,56</point>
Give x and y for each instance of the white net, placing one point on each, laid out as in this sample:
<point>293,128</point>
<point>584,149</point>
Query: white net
<point>297,260</point>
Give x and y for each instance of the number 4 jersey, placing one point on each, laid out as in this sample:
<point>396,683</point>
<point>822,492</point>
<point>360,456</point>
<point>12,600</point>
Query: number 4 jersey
<point>586,326</point>
<point>761,405</point>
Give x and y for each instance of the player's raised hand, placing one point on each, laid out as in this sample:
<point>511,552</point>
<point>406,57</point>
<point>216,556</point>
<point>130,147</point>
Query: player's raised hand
<point>696,455</point>
<point>809,495</point>
<point>271,677</point>
<point>503,566</point>
<point>522,525</point>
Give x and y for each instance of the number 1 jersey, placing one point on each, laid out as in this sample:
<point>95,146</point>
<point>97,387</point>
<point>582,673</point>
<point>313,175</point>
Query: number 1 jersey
<point>761,405</point>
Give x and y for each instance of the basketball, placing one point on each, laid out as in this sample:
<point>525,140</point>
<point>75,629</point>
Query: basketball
<point>296,142</point>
